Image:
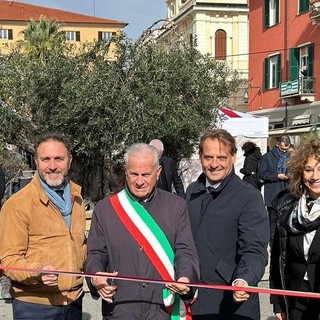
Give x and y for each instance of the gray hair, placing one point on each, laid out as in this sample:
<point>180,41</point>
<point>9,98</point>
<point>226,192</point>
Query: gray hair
<point>140,150</point>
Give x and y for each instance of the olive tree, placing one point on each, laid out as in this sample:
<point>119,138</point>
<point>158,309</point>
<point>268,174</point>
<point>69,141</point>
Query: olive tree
<point>155,90</point>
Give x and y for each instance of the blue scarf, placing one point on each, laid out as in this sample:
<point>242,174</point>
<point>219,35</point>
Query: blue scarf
<point>64,205</point>
<point>282,159</point>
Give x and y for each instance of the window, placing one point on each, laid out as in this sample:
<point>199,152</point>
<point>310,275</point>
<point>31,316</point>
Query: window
<point>105,36</point>
<point>193,40</point>
<point>6,34</point>
<point>271,13</point>
<point>73,35</point>
<point>303,6</point>
<point>220,45</point>
<point>301,61</point>
<point>272,71</point>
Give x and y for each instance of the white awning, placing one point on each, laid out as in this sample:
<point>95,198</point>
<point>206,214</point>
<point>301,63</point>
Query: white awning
<point>301,119</point>
<point>276,132</point>
<point>293,131</point>
<point>275,120</point>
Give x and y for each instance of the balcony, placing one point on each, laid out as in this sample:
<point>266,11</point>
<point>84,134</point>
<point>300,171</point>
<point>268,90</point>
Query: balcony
<point>314,11</point>
<point>303,87</point>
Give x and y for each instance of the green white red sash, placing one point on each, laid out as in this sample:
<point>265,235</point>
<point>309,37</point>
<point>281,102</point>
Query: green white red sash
<point>155,244</point>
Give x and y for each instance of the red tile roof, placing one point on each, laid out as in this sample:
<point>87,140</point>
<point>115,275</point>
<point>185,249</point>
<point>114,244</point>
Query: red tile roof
<point>19,11</point>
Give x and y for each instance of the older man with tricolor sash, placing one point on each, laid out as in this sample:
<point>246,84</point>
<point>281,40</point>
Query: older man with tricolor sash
<point>142,232</point>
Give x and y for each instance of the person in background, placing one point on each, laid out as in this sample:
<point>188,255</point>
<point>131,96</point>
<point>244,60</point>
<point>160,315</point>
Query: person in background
<point>42,226</point>
<point>295,251</point>
<point>4,280</point>
<point>230,228</point>
<point>169,175</point>
<point>252,156</point>
<point>273,171</point>
<point>142,232</point>
<point>2,184</point>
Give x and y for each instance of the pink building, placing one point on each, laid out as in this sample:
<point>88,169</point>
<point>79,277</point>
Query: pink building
<point>284,68</point>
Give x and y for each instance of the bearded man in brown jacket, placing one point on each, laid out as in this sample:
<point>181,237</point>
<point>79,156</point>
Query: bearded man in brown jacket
<point>43,227</point>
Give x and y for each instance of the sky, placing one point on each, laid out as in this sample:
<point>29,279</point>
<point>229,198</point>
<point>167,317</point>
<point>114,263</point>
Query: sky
<point>140,14</point>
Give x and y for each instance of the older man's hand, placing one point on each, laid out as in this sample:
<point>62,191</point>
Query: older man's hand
<point>179,288</point>
<point>106,290</point>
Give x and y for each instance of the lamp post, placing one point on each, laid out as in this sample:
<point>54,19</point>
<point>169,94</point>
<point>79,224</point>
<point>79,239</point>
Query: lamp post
<point>245,96</point>
<point>246,93</point>
<point>286,114</point>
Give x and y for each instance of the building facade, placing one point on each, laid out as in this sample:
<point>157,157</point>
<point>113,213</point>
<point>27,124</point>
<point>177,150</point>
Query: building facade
<point>284,65</point>
<point>78,28</point>
<point>217,28</point>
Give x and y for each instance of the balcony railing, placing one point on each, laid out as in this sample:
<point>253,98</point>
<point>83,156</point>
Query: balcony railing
<point>303,86</point>
<point>314,11</point>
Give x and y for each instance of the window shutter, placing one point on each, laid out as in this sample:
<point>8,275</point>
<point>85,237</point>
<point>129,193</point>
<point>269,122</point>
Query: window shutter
<point>220,45</point>
<point>277,10</point>
<point>99,35</point>
<point>266,73</point>
<point>303,6</point>
<point>294,63</point>
<point>10,34</point>
<point>191,39</point>
<point>278,71</point>
<point>310,59</point>
<point>266,14</point>
<point>77,35</point>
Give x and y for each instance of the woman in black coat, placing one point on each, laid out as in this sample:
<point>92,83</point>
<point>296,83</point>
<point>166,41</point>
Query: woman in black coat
<point>295,250</point>
<point>252,156</point>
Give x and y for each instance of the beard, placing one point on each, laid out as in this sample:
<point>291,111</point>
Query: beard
<point>53,182</point>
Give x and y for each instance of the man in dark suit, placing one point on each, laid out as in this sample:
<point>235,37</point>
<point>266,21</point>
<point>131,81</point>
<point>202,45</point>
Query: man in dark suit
<point>230,228</point>
<point>169,174</point>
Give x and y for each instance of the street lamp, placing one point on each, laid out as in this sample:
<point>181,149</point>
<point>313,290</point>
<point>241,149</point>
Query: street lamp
<point>245,96</point>
<point>246,93</point>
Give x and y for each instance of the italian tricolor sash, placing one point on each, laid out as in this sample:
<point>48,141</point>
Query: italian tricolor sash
<point>149,235</point>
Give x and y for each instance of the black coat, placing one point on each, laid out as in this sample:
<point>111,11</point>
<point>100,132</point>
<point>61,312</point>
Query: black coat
<point>250,166</point>
<point>112,247</point>
<point>268,173</point>
<point>288,265</point>
<point>2,183</point>
<point>171,177</point>
<point>231,231</point>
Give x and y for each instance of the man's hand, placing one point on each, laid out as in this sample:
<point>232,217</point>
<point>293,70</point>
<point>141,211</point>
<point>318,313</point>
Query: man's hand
<point>105,290</point>
<point>281,315</point>
<point>179,288</point>
<point>240,296</point>
<point>282,176</point>
<point>49,279</point>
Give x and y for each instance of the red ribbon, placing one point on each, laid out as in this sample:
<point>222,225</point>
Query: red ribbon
<point>163,282</point>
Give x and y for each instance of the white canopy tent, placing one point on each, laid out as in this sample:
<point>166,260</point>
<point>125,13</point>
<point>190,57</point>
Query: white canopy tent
<point>244,127</point>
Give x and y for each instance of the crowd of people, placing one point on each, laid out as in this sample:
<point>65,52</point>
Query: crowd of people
<point>164,238</point>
